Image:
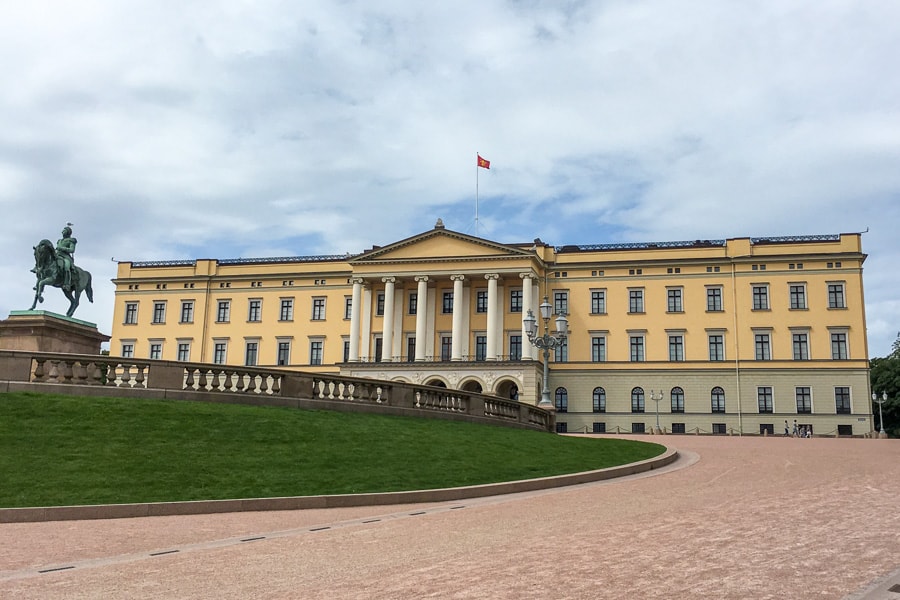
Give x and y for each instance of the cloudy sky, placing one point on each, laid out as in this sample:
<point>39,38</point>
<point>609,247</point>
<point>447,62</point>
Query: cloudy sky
<point>179,129</point>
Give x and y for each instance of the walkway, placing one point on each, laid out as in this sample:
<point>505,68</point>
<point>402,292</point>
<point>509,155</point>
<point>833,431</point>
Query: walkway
<point>742,518</point>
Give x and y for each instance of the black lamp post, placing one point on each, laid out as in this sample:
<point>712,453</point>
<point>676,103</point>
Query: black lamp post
<point>546,341</point>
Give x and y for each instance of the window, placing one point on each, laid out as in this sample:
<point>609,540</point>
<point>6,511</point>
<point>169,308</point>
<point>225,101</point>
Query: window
<point>763,349</point>
<point>599,398</point>
<point>561,352</point>
<point>638,428</point>
<point>637,348</point>
<point>515,347</point>
<point>346,351</point>
<point>159,312</point>
<point>286,313</point>
<point>836,295</point>
<point>635,301</point>
<point>446,344</point>
<point>254,311</point>
<point>284,353</point>
<point>719,429</point>
<point>562,426</point>
<point>379,304</point>
<point>348,307</point>
<point>251,354</point>
<point>410,349</point>
<point>481,301</point>
<point>798,296</point>
<point>598,348</point>
<point>220,352</point>
<point>839,346</point>
<point>318,309</point>
<point>379,348</point>
<point>598,302</point>
<point>677,395</point>
<point>677,427</point>
<point>515,301</point>
<point>561,303</point>
<point>842,400</point>
<point>562,400</point>
<point>716,346</point>
<point>128,350</point>
<point>184,351</point>
<point>714,299</point>
<point>480,347</point>
<point>131,313</point>
<point>599,427</point>
<point>760,297</point>
<point>155,350</point>
<point>315,352</point>
<point>717,400</point>
<point>676,348</point>
<point>800,342</point>
<point>804,400</point>
<point>187,311</point>
<point>637,400</point>
<point>413,302</point>
<point>675,300</point>
<point>447,306</point>
<point>764,399</point>
<point>223,313</point>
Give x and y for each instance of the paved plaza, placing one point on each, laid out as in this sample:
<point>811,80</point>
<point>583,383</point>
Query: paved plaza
<point>733,518</point>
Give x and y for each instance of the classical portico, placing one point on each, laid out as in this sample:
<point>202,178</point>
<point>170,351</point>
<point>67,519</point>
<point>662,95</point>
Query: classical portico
<point>422,318</point>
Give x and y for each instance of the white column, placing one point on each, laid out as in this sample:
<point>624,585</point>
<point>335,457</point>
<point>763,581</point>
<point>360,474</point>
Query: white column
<point>387,332</point>
<point>458,309</point>
<point>527,347</point>
<point>355,313</point>
<point>421,316</point>
<point>492,327</point>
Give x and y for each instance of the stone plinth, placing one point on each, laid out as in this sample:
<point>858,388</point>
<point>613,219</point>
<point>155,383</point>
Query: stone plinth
<point>44,331</point>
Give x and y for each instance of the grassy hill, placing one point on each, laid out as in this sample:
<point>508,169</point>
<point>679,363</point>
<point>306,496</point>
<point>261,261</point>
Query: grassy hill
<point>61,450</point>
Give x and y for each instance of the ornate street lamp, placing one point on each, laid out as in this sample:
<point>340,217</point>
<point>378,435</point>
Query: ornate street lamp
<point>546,341</point>
<point>880,401</point>
<point>656,397</point>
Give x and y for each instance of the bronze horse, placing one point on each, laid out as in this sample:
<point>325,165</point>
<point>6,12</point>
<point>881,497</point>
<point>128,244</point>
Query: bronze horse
<point>48,272</point>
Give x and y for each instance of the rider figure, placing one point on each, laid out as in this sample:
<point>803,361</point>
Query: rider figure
<point>65,248</point>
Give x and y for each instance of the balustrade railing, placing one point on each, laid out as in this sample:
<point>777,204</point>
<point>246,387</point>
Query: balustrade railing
<point>195,380</point>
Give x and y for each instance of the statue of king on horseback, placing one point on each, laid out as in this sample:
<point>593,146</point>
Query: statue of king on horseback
<point>55,266</point>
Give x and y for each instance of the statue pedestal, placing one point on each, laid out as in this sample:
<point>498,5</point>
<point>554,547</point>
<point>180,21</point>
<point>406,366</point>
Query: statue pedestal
<point>44,331</point>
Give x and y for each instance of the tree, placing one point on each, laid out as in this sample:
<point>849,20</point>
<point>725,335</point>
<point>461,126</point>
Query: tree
<point>885,378</point>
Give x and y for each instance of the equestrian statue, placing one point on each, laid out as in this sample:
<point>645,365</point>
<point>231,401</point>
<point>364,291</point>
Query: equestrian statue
<point>55,266</point>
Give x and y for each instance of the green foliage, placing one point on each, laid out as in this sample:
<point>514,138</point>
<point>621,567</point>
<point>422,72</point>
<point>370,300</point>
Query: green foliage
<point>60,450</point>
<point>885,377</point>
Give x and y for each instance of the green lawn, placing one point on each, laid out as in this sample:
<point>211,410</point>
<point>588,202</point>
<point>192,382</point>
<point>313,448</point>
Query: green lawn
<point>60,450</point>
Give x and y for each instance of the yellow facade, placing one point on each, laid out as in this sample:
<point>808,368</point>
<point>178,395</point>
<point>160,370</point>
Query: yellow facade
<point>739,335</point>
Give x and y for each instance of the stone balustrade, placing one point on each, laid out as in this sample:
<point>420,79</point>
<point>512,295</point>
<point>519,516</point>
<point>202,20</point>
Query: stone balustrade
<point>81,374</point>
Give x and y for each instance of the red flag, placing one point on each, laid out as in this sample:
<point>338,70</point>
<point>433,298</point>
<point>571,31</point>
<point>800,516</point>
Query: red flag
<point>483,162</point>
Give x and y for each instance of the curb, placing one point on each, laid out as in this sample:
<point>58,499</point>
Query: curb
<point>202,507</point>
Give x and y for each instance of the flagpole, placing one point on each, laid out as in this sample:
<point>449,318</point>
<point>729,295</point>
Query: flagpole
<point>476,192</point>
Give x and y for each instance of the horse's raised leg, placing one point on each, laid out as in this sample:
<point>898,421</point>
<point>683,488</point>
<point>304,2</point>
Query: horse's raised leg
<point>37,294</point>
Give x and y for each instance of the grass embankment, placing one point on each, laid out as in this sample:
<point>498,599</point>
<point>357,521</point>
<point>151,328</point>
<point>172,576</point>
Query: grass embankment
<point>61,450</point>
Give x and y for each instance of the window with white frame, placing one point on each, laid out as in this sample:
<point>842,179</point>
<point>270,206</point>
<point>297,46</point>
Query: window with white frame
<point>515,347</point>
<point>797,294</point>
<point>803,396</point>
<point>286,310</point>
<point>515,301</point>
<point>187,311</point>
<point>842,400</point>
<point>760,296</point>
<point>636,346</point>
<point>839,345</point>
<point>131,312</point>
<point>800,343</point>
<point>717,400</point>
<point>128,349</point>
<point>676,348</point>
<point>254,310</point>
<point>159,312</point>
<point>762,345</point>
<point>481,301</point>
<point>318,309</point>
<point>716,346</point>
<point>598,348</point>
<point>447,303</point>
<point>561,352</point>
<point>348,307</point>
<point>562,400</point>
<point>156,350</point>
<point>637,400</point>
<point>220,352</point>
<point>251,353</point>
<point>765,399</point>
<point>223,311</point>
<point>836,295</point>
<point>316,351</point>
<point>283,356</point>
<point>636,300</point>
<point>184,351</point>
<point>714,298</point>
<point>675,301</point>
<point>561,302</point>
<point>598,302</point>
<point>599,400</point>
<point>677,396</point>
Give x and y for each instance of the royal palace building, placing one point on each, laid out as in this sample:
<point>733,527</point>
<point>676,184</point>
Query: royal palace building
<point>704,336</point>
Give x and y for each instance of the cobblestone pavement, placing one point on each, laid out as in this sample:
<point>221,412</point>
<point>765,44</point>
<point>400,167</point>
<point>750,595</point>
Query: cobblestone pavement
<point>734,518</point>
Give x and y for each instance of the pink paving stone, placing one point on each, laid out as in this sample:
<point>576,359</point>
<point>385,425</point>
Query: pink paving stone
<point>746,518</point>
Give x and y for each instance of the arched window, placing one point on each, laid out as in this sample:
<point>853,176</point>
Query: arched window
<point>677,395</point>
<point>599,400</point>
<point>562,400</point>
<point>637,400</point>
<point>717,397</point>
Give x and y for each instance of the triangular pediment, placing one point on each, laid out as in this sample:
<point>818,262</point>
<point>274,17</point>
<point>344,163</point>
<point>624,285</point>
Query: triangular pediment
<point>440,244</point>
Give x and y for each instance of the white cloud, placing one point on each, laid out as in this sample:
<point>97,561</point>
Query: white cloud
<point>216,129</point>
